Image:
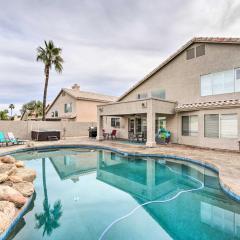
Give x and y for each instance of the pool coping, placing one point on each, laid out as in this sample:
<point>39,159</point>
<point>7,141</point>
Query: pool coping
<point>225,188</point>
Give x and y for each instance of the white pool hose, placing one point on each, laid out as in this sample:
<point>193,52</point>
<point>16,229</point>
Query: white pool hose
<point>152,202</point>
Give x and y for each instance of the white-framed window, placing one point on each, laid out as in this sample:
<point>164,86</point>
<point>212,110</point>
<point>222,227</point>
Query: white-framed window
<point>221,125</point>
<point>115,122</point>
<point>67,107</point>
<point>52,114</point>
<point>237,80</point>
<point>56,113</point>
<point>190,125</point>
<point>218,83</point>
<point>228,126</point>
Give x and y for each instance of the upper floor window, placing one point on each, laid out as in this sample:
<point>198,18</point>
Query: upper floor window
<point>142,95</point>
<point>52,114</point>
<point>67,107</point>
<point>190,125</point>
<point>237,79</point>
<point>56,113</point>
<point>115,122</point>
<point>190,53</point>
<point>220,82</point>
<point>159,93</point>
<point>200,50</point>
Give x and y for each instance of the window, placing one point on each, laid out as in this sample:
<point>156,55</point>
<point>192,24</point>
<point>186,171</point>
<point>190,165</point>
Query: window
<point>221,126</point>
<point>190,125</point>
<point>115,122</point>
<point>67,107</point>
<point>52,114</point>
<point>190,53</point>
<point>228,126</point>
<point>237,79</point>
<point>56,113</point>
<point>211,125</point>
<point>142,95</point>
<point>217,83</point>
<point>159,93</point>
<point>200,50</point>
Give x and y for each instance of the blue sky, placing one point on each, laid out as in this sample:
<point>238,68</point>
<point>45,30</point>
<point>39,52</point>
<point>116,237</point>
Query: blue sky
<point>107,45</point>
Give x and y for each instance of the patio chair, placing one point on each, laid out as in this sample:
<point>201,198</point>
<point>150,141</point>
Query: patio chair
<point>3,139</point>
<point>14,140</point>
<point>105,135</point>
<point>113,134</point>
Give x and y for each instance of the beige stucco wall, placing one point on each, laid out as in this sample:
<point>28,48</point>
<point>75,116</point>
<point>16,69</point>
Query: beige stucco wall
<point>200,140</point>
<point>86,111</point>
<point>22,129</point>
<point>181,78</point>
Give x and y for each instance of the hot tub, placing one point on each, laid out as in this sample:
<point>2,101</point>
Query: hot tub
<point>45,135</point>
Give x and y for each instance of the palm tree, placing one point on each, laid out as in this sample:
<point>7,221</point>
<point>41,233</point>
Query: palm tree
<point>4,114</point>
<point>50,56</point>
<point>11,106</point>
<point>49,218</point>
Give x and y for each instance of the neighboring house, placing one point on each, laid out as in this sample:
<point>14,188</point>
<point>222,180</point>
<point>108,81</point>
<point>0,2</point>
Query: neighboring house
<point>195,94</point>
<point>29,115</point>
<point>75,105</point>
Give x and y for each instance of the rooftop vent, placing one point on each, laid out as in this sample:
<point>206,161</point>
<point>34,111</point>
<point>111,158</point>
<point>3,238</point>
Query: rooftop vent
<point>76,87</point>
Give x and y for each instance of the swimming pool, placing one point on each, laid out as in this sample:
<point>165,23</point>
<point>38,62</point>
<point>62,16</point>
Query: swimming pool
<point>99,194</point>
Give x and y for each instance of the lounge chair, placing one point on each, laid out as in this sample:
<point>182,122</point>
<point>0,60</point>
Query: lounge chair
<point>3,139</point>
<point>14,140</point>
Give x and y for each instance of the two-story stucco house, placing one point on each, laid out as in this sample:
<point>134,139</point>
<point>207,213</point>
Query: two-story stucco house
<point>195,94</point>
<point>75,105</point>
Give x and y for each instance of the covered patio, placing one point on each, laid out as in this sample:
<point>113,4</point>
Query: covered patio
<point>139,116</point>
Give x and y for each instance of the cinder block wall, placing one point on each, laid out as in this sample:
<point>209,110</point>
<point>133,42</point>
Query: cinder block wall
<point>22,129</point>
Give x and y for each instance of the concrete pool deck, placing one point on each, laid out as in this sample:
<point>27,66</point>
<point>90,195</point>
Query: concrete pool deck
<point>227,163</point>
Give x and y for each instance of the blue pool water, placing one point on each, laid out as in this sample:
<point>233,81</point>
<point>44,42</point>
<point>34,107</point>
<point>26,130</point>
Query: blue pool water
<point>98,194</point>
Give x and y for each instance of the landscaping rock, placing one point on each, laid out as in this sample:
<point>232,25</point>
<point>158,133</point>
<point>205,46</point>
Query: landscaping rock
<point>7,159</point>
<point>3,177</point>
<point>19,164</point>
<point>4,222</point>
<point>14,179</point>
<point>7,168</point>
<point>7,213</point>
<point>26,174</point>
<point>7,208</point>
<point>9,194</point>
<point>25,188</point>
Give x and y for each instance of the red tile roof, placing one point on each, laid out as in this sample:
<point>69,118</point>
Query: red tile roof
<point>207,105</point>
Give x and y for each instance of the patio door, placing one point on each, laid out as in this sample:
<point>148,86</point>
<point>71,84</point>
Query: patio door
<point>131,125</point>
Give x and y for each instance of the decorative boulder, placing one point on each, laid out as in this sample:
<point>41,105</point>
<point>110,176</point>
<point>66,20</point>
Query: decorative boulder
<point>7,168</point>
<point>7,213</point>
<point>9,194</point>
<point>26,174</point>
<point>25,188</point>
<point>14,179</point>
<point>7,159</point>
<point>19,164</point>
<point>3,177</point>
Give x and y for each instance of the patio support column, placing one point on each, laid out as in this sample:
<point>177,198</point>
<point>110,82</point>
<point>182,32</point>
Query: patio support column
<point>99,127</point>
<point>151,115</point>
